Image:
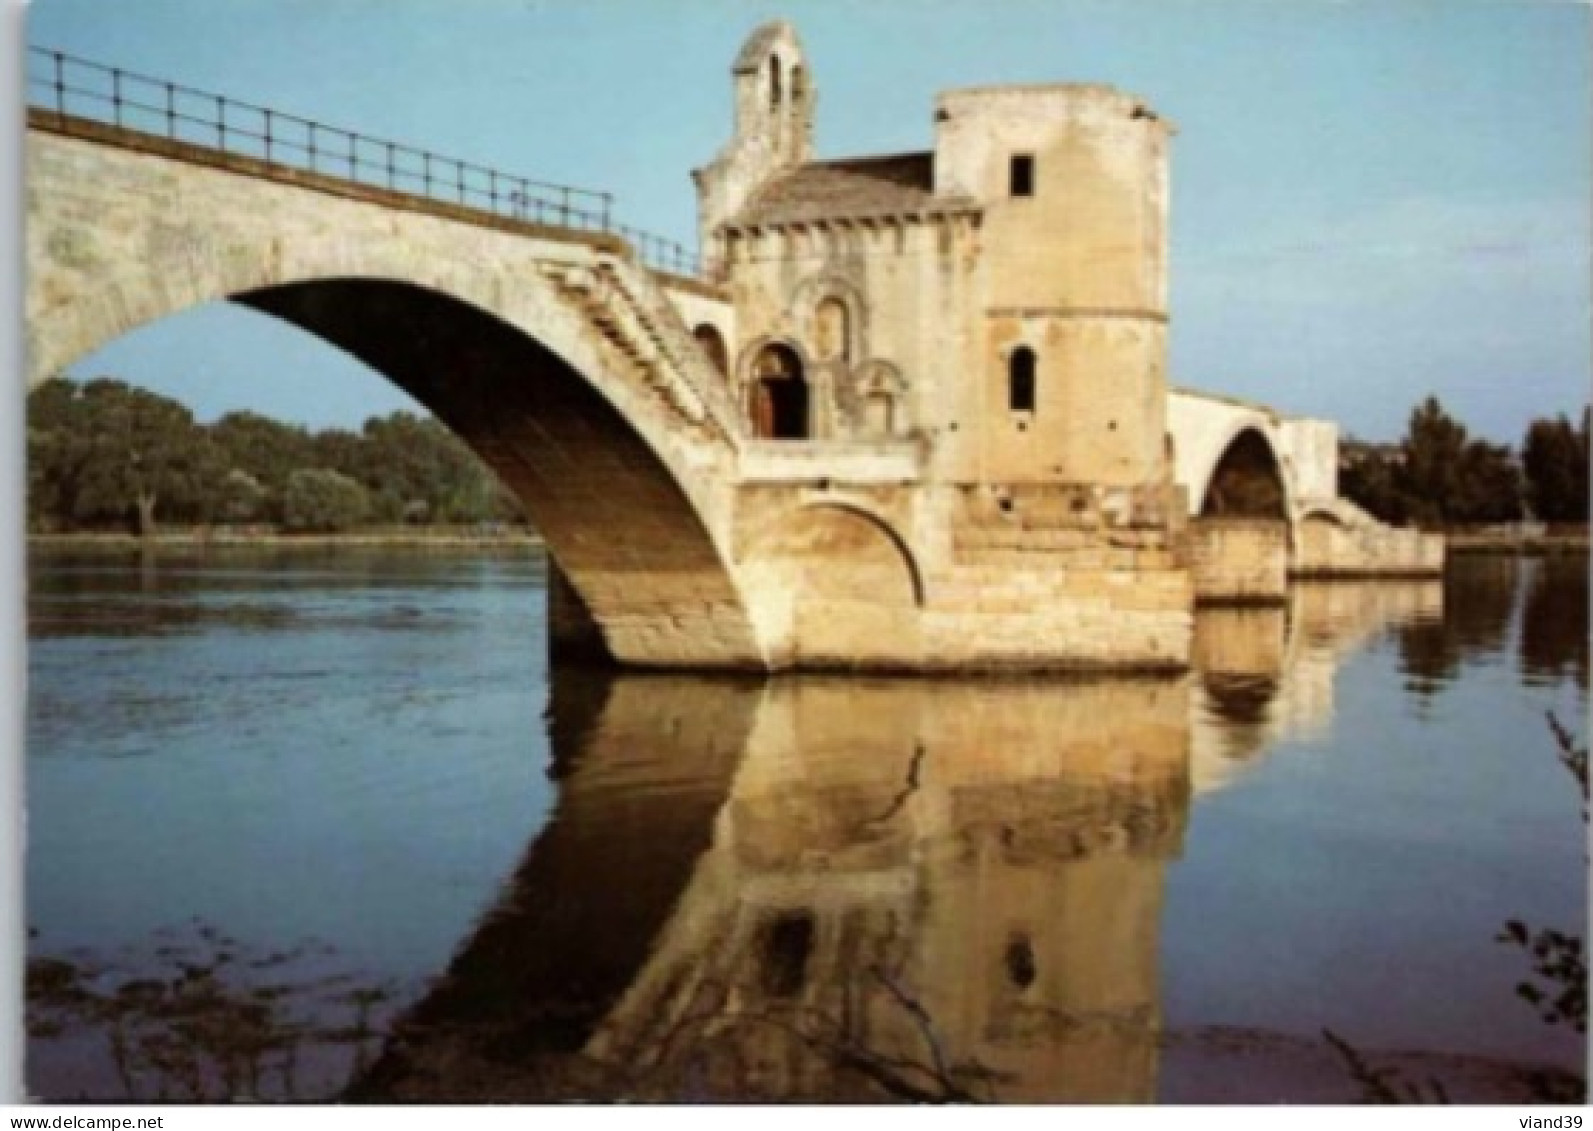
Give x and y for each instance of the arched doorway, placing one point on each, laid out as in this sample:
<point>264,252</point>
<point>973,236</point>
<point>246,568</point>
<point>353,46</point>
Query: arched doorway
<point>779,407</point>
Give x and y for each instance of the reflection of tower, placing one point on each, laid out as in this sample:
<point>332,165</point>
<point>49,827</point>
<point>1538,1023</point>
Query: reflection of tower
<point>908,890</point>
<point>643,765</point>
<point>904,868</point>
<point>862,889</point>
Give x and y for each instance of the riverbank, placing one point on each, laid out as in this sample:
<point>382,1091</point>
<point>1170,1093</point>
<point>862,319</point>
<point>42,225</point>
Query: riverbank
<point>1486,540</point>
<point>405,538</point>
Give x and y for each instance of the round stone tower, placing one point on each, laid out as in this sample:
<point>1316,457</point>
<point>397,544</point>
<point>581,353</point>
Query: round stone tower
<point>1071,373</point>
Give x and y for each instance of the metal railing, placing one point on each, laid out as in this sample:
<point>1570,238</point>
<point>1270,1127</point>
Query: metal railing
<point>79,88</point>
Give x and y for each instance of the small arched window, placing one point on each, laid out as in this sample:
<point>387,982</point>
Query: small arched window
<point>774,83</point>
<point>713,344</point>
<point>831,331</point>
<point>799,86</point>
<point>1020,380</point>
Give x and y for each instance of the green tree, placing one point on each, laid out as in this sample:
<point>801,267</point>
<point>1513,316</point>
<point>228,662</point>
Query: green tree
<point>241,498</point>
<point>416,470</point>
<point>109,452</point>
<point>266,452</point>
<point>1487,487</point>
<point>1555,456</point>
<point>1371,481</point>
<point>420,471</point>
<point>103,451</point>
<point>1432,451</point>
<point>1447,477</point>
<point>322,500</point>
<point>59,451</point>
<point>339,450</point>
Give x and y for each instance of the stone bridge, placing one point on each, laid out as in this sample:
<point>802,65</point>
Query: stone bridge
<point>551,352</point>
<point>1264,505</point>
<point>619,403</point>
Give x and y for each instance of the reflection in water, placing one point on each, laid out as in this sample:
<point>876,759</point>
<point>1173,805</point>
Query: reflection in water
<point>1239,653</point>
<point>1554,622</point>
<point>865,889</point>
<point>644,764</point>
<point>1479,595</point>
<point>909,889</point>
<point>1263,675</point>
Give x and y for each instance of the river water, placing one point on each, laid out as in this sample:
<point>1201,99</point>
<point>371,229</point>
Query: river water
<point>326,825</point>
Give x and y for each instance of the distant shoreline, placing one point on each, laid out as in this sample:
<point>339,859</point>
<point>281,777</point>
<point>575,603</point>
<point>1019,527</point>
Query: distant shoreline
<point>421,539</point>
<point>428,538</point>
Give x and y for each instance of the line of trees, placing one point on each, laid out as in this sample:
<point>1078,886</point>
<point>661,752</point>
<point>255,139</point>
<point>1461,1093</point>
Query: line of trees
<point>104,454</point>
<point>1439,475</point>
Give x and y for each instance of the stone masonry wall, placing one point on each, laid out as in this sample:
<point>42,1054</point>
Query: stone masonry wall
<point>1239,559</point>
<point>1332,547</point>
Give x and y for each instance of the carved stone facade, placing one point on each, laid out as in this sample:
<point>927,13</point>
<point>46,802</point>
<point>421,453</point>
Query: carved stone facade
<point>913,294</point>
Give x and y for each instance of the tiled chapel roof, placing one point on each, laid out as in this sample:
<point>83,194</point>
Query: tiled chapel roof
<point>853,187</point>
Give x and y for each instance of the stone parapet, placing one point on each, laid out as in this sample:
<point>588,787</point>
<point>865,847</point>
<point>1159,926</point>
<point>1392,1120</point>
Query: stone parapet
<point>1338,539</point>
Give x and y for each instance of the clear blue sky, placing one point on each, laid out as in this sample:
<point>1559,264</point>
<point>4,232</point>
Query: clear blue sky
<point>1371,201</point>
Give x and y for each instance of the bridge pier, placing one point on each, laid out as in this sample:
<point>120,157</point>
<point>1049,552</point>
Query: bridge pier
<point>573,635</point>
<point>1239,560</point>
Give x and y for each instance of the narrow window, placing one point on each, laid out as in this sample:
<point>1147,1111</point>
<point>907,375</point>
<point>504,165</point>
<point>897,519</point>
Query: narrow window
<point>1022,175</point>
<point>1020,958</point>
<point>1020,380</point>
<point>713,344</point>
<point>831,331</point>
<point>774,84</point>
<point>787,945</point>
<point>879,414</point>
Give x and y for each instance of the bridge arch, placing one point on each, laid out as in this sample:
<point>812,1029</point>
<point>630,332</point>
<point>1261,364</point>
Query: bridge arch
<point>850,587</point>
<point>496,334</point>
<point>1246,477</point>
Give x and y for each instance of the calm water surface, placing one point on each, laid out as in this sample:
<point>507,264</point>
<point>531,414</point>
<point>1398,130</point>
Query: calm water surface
<point>327,825</point>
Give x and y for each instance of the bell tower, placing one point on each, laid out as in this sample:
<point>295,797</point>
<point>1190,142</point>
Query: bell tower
<point>773,128</point>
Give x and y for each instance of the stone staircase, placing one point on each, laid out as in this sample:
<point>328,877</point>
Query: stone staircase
<point>638,322</point>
